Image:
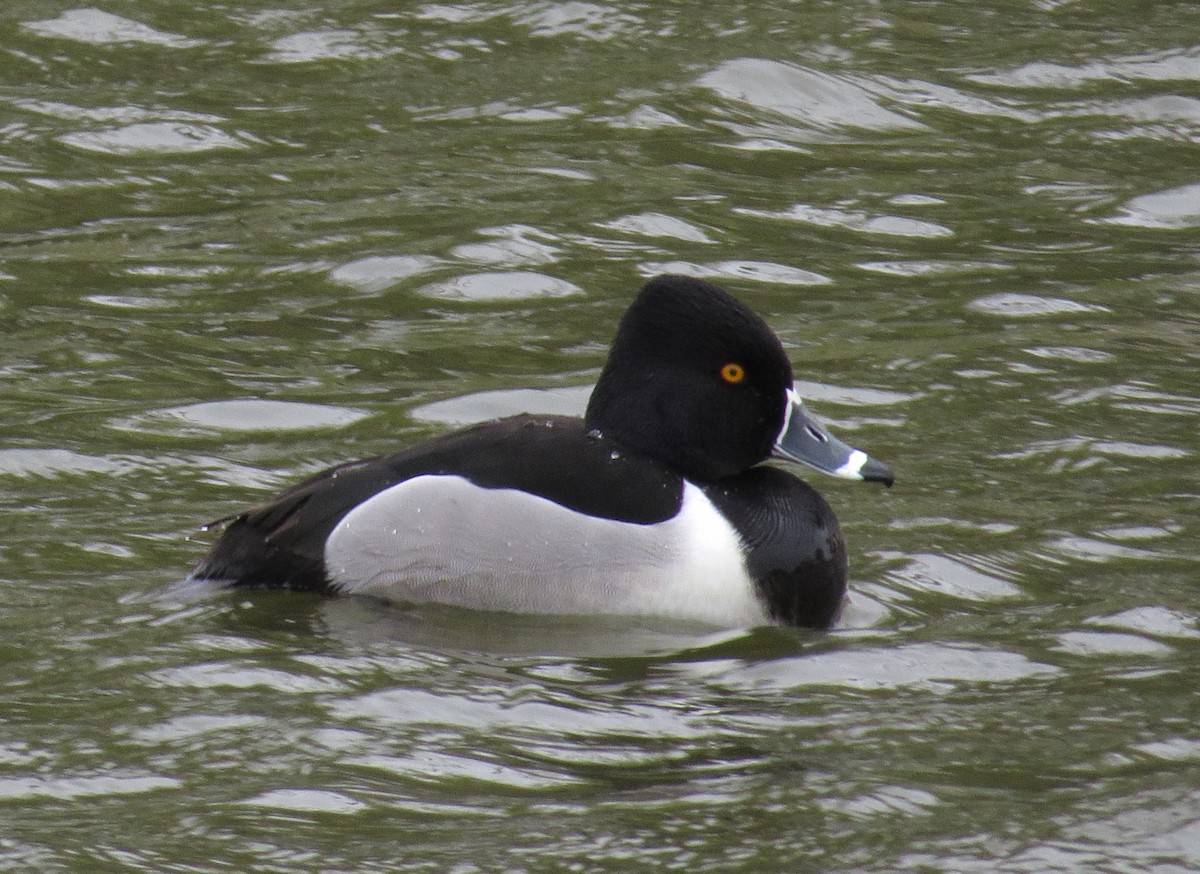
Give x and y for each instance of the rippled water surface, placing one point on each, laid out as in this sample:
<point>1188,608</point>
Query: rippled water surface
<point>241,241</point>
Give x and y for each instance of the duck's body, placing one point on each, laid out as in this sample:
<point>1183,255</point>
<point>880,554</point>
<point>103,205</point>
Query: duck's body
<point>652,504</point>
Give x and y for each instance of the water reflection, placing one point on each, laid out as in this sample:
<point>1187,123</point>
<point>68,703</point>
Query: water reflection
<point>814,98</point>
<point>1177,208</point>
<point>96,26</point>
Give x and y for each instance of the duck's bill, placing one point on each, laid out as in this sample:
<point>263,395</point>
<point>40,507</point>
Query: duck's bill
<point>804,439</point>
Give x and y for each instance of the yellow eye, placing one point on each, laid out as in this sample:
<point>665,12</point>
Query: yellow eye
<point>733,373</point>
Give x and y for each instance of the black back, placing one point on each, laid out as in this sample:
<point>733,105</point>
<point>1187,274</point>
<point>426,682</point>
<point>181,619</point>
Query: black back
<point>282,544</point>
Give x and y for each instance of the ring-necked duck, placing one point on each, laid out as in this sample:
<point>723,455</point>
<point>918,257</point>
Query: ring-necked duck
<point>653,503</point>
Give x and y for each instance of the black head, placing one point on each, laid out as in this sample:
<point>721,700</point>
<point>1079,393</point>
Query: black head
<point>694,379</point>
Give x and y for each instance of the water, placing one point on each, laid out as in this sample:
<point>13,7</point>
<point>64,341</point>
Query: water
<point>246,241</point>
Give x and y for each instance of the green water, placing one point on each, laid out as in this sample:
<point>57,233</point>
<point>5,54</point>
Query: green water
<point>242,241</point>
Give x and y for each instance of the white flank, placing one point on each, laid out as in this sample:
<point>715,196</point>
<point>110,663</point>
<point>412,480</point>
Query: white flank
<point>446,540</point>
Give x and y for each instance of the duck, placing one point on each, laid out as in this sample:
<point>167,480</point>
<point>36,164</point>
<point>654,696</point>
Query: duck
<point>656,503</point>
